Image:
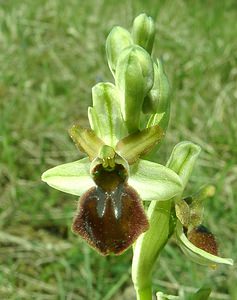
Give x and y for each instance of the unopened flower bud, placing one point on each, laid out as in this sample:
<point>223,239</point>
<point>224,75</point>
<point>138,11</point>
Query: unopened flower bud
<point>117,40</point>
<point>157,100</point>
<point>143,32</point>
<point>134,78</point>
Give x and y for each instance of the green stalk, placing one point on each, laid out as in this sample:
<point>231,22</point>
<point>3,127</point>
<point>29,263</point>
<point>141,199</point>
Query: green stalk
<point>149,245</point>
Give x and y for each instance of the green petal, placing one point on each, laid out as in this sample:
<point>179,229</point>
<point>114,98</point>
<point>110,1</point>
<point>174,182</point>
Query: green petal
<point>86,140</point>
<point>153,181</point>
<point>73,178</point>
<point>139,143</point>
<point>196,254</point>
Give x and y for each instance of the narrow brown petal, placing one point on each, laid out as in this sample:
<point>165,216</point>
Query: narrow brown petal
<point>110,221</point>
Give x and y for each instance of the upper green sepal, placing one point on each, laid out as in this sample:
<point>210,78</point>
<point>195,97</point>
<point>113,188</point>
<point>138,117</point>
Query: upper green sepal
<point>105,116</point>
<point>139,143</point>
<point>196,254</point>
<point>143,32</point>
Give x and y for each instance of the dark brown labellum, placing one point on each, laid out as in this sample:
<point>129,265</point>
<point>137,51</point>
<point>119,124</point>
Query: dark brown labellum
<point>202,238</point>
<point>110,215</point>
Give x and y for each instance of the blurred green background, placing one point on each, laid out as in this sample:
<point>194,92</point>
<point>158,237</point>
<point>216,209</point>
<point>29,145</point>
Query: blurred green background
<point>51,54</point>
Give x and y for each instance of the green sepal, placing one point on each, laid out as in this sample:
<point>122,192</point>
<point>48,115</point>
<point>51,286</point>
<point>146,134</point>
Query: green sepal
<point>196,254</point>
<point>105,116</point>
<point>86,140</point>
<point>143,32</point>
<point>73,178</point>
<point>117,40</point>
<point>183,158</point>
<point>139,143</point>
<point>153,181</point>
<point>134,78</point>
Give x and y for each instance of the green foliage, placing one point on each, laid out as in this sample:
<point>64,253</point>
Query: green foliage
<point>45,85</point>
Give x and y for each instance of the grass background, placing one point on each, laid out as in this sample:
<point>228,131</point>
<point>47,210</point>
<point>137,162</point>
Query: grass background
<point>51,54</point>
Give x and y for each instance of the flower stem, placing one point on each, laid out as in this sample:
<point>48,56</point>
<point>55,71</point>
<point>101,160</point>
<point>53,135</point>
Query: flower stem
<point>148,248</point>
<point>144,293</point>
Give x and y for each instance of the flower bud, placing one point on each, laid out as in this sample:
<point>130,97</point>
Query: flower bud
<point>143,32</point>
<point>117,40</point>
<point>157,100</point>
<point>134,78</point>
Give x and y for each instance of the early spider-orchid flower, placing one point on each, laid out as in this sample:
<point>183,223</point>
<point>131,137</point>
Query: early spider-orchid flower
<point>112,182</point>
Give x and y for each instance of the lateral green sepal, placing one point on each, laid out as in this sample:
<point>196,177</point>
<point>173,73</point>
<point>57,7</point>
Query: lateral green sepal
<point>73,178</point>
<point>86,140</point>
<point>153,181</point>
<point>139,143</point>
